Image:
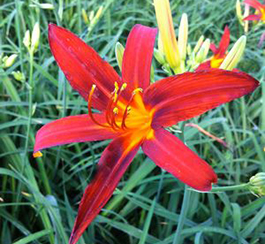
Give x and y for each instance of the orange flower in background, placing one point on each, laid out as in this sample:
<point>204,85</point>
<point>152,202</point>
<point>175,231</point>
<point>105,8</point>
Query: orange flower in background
<point>133,113</point>
<point>219,53</point>
<point>260,10</point>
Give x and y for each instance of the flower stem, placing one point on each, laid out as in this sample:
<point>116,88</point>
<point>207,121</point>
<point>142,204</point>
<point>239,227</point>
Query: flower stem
<point>30,86</point>
<point>229,188</point>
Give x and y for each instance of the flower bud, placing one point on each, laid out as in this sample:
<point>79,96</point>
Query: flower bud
<point>9,61</point>
<point>26,39</point>
<point>183,36</point>
<point>91,15</point>
<point>159,57</point>
<point>198,44</point>
<point>257,184</point>
<point>119,50</point>
<point>35,37</point>
<point>235,54</point>
<point>99,13</point>
<point>18,75</point>
<point>203,52</point>
<point>84,15</point>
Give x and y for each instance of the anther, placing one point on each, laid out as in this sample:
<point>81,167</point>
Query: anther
<point>116,85</point>
<point>115,110</point>
<point>137,90</point>
<point>123,87</point>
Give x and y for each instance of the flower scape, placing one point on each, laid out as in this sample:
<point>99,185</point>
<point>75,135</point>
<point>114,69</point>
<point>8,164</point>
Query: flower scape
<point>135,113</point>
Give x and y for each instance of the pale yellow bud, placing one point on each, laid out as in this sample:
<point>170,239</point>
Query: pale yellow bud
<point>85,17</point>
<point>9,61</point>
<point>35,37</point>
<point>159,57</point>
<point>203,52</point>
<point>198,44</point>
<point>91,15</point>
<point>18,75</point>
<point>235,54</point>
<point>99,13</point>
<point>119,50</point>
<point>183,36</point>
<point>26,39</point>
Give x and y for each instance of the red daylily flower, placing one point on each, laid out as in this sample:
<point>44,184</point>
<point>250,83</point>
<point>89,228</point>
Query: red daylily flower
<point>219,53</point>
<point>133,113</point>
<point>260,10</point>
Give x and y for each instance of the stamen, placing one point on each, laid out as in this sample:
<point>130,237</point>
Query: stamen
<point>128,107</point>
<point>113,98</point>
<point>113,123</point>
<point>89,105</point>
<point>110,115</point>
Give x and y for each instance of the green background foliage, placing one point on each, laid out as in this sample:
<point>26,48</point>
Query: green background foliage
<point>39,198</point>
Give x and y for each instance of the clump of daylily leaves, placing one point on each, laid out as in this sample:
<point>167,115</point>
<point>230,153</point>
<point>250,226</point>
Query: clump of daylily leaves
<point>133,112</point>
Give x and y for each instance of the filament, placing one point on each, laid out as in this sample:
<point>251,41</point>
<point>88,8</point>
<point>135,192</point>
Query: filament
<point>89,105</point>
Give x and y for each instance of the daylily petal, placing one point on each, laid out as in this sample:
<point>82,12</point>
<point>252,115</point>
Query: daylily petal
<point>82,66</point>
<point>254,3</point>
<point>78,128</point>
<point>187,95</point>
<point>112,165</point>
<point>204,66</point>
<point>253,17</point>
<point>137,58</point>
<point>224,43</point>
<point>171,154</point>
<point>213,48</point>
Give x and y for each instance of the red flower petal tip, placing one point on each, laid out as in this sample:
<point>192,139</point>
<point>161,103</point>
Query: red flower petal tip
<point>208,185</point>
<point>51,28</point>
